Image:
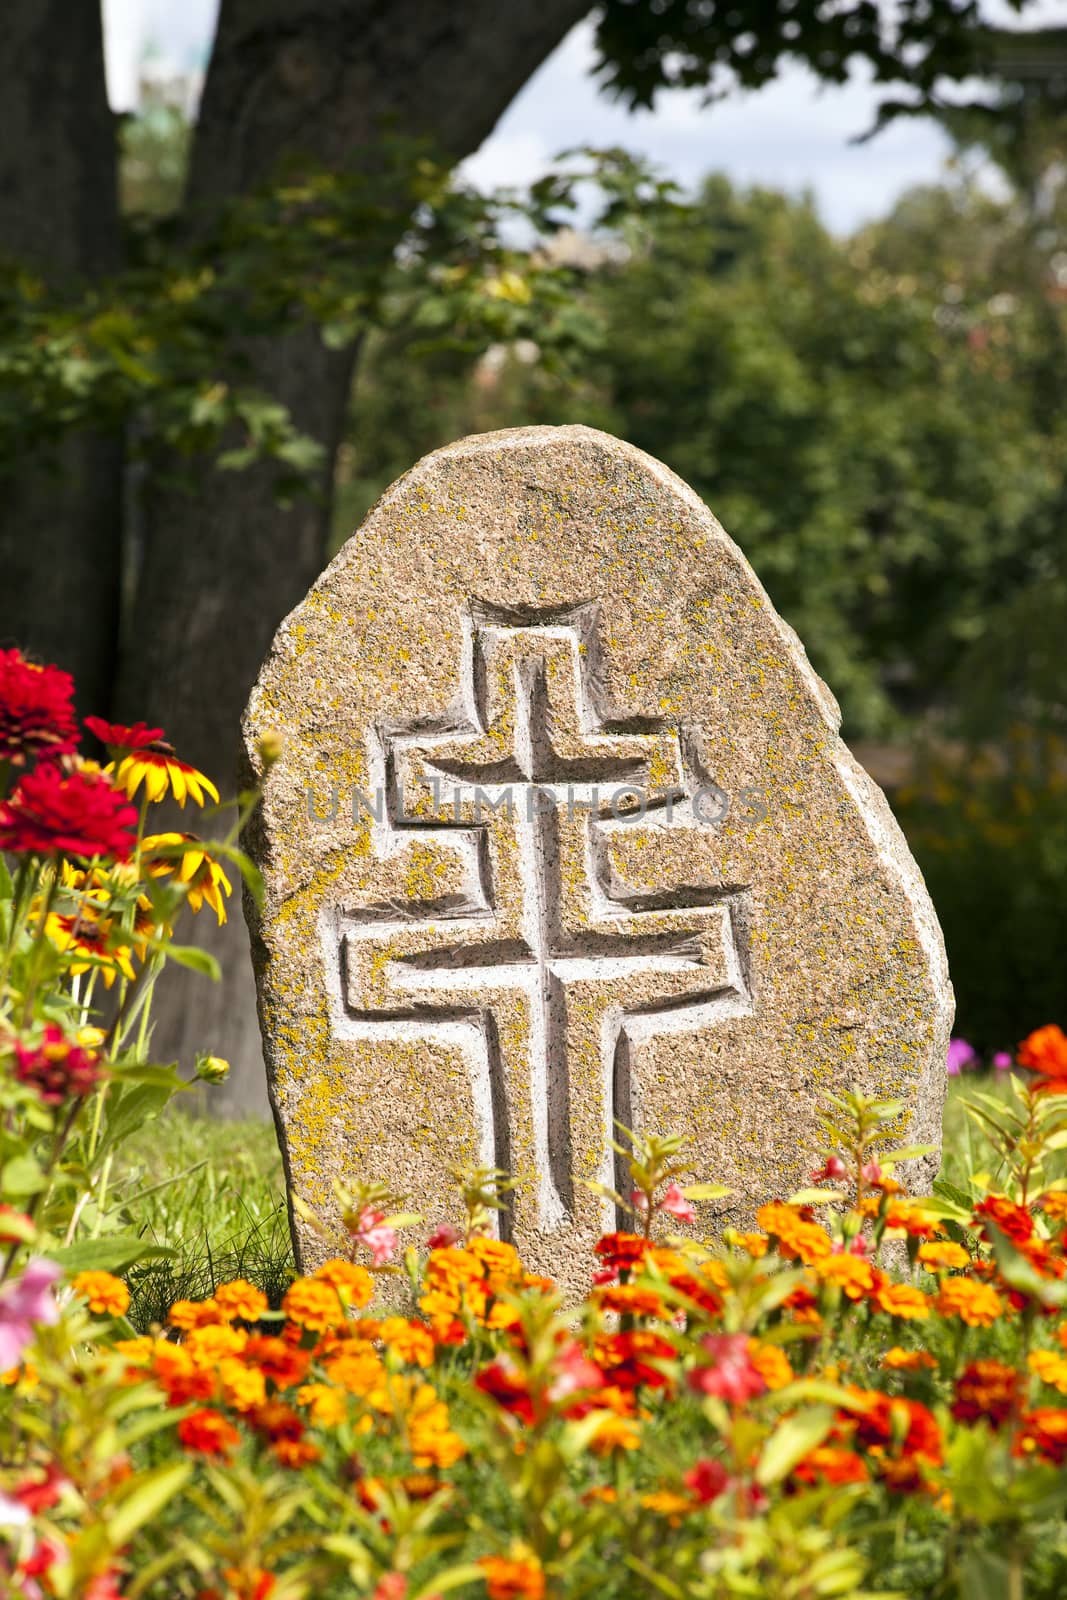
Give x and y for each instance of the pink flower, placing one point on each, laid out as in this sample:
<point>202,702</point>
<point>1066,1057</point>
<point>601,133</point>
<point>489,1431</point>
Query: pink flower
<point>1002,1061</point>
<point>675,1203</point>
<point>391,1586</point>
<point>731,1375</point>
<point>639,1201</point>
<point>573,1372</point>
<point>707,1479</point>
<point>832,1170</point>
<point>25,1302</point>
<point>871,1173</point>
<point>443,1238</point>
<point>379,1239</point>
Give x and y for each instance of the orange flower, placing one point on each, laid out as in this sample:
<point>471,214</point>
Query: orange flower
<point>771,1362</point>
<point>630,1299</point>
<point>831,1463</point>
<point>513,1578</point>
<point>107,1296</point>
<point>240,1299</point>
<point>280,1362</point>
<point>1051,1367</point>
<point>898,1360</point>
<point>943,1255</point>
<point>902,1300</point>
<point>313,1303</point>
<point>1054,1204</point>
<point>410,1341</point>
<point>796,1234</point>
<point>854,1275</point>
<point>179,1376</point>
<point>1011,1219</point>
<point>243,1387</point>
<point>253,1584</point>
<point>1045,1052</point>
<point>614,1433</point>
<point>976,1303</point>
<point>353,1283</point>
<point>986,1389</point>
<point>187,1314</point>
<point>208,1433</point>
<point>208,1345</point>
<point>327,1405</point>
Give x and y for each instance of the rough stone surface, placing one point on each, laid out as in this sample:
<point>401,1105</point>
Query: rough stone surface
<point>549,611</point>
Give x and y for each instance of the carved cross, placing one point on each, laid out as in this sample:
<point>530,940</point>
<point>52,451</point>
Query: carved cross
<point>532,744</point>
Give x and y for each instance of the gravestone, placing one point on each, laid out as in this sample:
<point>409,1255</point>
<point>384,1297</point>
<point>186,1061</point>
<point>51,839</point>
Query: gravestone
<point>562,837</point>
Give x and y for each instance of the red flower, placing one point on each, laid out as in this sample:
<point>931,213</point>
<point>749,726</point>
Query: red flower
<point>503,1382</point>
<point>732,1376</point>
<point>119,736</point>
<point>38,1495</point>
<point>36,709</point>
<point>57,1068</point>
<point>621,1251</point>
<point>282,1363</point>
<point>630,1360</point>
<point>78,813</point>
<point>830,1463</point>
<point>1011,1219</point>
<point>986,1389</point>
<point>707,1480</point>
<point>209,1433</point>
<point>895,1430</point>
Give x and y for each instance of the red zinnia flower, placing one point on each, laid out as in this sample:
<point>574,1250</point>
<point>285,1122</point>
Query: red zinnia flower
<point>1011,1219</point>
<point>707,1480</point>
<point>57,1068</point>
<point>78,813</point>
<point>36,709</point>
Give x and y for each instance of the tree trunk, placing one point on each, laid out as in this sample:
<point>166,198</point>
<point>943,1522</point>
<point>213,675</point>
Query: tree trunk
<point>318,84</point>
<point>60,523</point>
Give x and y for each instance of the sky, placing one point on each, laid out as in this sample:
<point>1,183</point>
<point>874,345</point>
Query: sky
<point>796,134</point>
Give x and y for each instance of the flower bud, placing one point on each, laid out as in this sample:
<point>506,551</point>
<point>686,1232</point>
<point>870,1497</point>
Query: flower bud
<point>270,747</point>
<point>212,1069</point>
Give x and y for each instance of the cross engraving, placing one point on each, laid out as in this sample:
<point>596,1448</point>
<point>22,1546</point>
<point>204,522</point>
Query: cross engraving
<point>536,909</point>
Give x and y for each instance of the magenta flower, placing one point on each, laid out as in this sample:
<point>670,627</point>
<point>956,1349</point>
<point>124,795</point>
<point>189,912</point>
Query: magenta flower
<point>1002,1061</point>
<point>443,1238</point>
<point>22,1304</point>
<point>960,1055</point>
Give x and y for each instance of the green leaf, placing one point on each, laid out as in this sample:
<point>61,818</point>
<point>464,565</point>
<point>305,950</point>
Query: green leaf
<point>147,1496</point>
<point>112,1254</point>
<point>706,1191</point>
<point>816,1197</point>
<point>791,1441</point>
<point>187,955</point>
<point>22,1175</point>
<point>984,1576</point>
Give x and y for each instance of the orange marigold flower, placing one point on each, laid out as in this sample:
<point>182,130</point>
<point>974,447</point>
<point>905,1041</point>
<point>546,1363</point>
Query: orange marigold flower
<point>410,1341</point>
<point>977,1304</point>
<point>178,1375</point>
<point>327,1405</point>
<point>893,1427</point>
<point>1043,1433</point>
<point>899,1360</point>
<point>797,1234</point>
<point>631,1299</point>
<point>853,1275</point>
<point>357,1370</point>
<point>249,1584</point>
<point>668,1503</point>
<point>902,1300</point>
<point>106,1295</point>
<point>1011,1219</point>
<point>241,1299</point>
<point>831,1463</point>
<point>513,1578</point>
<point>943,1255</point>
<point>208,1433</point>
<point>281,1363</point>
<point>986,1389</point>
<point>314,1304</point>
<point>352,1282</point>
<point>1045,1052</point>
<point>1051,1367</point>
<point>432,1442</point>
<point>771,1362</point>
<point>295,1453</point>
<point>614,1433</point>
<point>496,1256</point>
<point>243,1387</point>
<point>754,1244</point>
<point>187,1314</point>
<point>1054,1204</point>
<point>208,1345</point>
<point>911,1219</point>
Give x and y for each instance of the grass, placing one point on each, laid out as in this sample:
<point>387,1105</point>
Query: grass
<point>215,1193</point>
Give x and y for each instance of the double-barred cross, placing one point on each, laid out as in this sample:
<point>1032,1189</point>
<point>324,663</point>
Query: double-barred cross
<point>532,782</point>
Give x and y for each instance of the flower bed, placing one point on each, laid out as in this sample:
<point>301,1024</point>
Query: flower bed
<point>863,1394</point>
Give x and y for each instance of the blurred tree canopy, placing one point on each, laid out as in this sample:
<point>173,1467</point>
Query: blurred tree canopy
<point>176,370</point>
